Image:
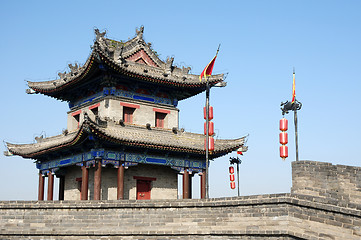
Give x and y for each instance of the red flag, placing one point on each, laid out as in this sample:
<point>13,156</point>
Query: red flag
<point>208,70</point>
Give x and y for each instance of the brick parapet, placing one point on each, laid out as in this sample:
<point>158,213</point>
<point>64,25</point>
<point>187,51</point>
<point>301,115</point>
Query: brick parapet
<point>274,216</point>
<point>339,182</point>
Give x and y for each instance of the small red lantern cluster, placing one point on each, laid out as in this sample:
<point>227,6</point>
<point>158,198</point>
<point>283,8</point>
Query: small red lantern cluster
<point>210,128</point>
<point>283,138</point>
<point>231,177</point>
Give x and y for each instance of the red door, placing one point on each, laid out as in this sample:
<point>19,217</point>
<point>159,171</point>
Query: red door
<point>143,189</point>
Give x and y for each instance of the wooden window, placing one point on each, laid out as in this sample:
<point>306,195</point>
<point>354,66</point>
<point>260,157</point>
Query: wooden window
<point>128,111</point>
<point>76,116</point>
<point>128,114</point>
<point>95,109</point>
<point>159,119</point>
<point>77,119</point>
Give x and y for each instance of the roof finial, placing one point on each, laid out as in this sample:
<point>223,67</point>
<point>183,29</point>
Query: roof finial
<point>99,34</point>
<point>140,31</point>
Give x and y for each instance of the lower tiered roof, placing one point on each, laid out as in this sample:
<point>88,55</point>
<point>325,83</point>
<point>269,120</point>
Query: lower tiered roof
<point>120,136</point>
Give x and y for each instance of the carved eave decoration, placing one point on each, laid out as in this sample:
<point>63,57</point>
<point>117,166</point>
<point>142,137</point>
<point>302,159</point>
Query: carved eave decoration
<point>133,59</point>
<point>127,136</point>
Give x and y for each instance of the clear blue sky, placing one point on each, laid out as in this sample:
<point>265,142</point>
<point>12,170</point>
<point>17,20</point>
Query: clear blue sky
<point>261,42</point>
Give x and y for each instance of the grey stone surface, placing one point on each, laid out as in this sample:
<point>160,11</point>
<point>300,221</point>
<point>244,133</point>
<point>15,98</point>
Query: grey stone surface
<point>336,182</point>
<point>279,216</point>
<point>270,216</point>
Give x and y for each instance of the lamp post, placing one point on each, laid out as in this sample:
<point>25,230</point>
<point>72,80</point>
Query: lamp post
<point>207,139</point>
<point>292,106</point>
<point>233,160</point>
<point>208,87</point>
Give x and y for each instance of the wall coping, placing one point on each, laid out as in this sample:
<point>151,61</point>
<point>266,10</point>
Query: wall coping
<point>325,204</point>
<point>310,162</point>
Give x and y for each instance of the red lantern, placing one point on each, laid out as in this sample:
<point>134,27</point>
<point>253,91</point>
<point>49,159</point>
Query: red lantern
<point>210,128</point>
<point>283,151</point>
<point>210,113</point>
<point>283,138</point>
<point>233,185</point>
<point>283,124</point>
<point>210,143</point>
<point>231,170</point>
<point>231,177</point>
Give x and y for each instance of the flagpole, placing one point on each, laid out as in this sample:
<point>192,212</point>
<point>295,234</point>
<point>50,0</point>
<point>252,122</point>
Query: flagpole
<point>207,139</point>
<point>207,121</point>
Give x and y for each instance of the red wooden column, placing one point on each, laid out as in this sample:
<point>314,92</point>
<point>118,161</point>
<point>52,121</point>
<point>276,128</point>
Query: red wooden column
<point>97,179</point>
<point>50,185</point>
<point>203,184</point>
<point>185,184</point>
<point>41,187</point>
<point>84,182</point>
<point>120,182</point>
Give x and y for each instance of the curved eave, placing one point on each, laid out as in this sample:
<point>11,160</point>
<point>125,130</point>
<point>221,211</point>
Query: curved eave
<point>35,150</point>
<point>120,137</point>
<point>54,86</point>
<point>130,69</point>
<point>222,146</point>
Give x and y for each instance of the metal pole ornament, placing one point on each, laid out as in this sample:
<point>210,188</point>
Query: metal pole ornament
<point>286,107</point>
<point>290,106</point>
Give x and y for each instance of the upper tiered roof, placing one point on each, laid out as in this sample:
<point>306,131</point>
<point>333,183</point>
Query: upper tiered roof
<point>113,62</point>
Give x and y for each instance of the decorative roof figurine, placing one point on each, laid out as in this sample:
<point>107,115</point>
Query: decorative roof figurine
<point>122,140</point>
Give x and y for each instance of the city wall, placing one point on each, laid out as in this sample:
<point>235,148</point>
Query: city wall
<point>276,216</point>
<point>338,182</point>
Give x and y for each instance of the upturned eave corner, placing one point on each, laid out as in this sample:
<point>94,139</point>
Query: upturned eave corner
<point>7,153</point>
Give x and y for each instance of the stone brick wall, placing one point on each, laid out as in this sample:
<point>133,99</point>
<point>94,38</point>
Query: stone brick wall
<point>110,107</point>
<point>338,182</point>
<point>71,187</point>
<point>324,204</point>
<point>278,216</point>
<point>164,187</point>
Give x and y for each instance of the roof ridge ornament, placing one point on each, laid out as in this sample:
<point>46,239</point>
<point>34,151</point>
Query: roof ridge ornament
<point>73,68</point>
<point>99,35</point>
<point>120,57</point>
<point>39,139</point>
<point>140,32</point>
<point>62,75</point>
<point>168,67</point>
<point>185,70</point>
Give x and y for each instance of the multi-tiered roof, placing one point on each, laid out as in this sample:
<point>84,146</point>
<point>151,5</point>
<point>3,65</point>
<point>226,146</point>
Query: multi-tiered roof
<point>116,65</point>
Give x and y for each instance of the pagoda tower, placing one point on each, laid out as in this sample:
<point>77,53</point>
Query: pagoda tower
<point>122,139</point>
